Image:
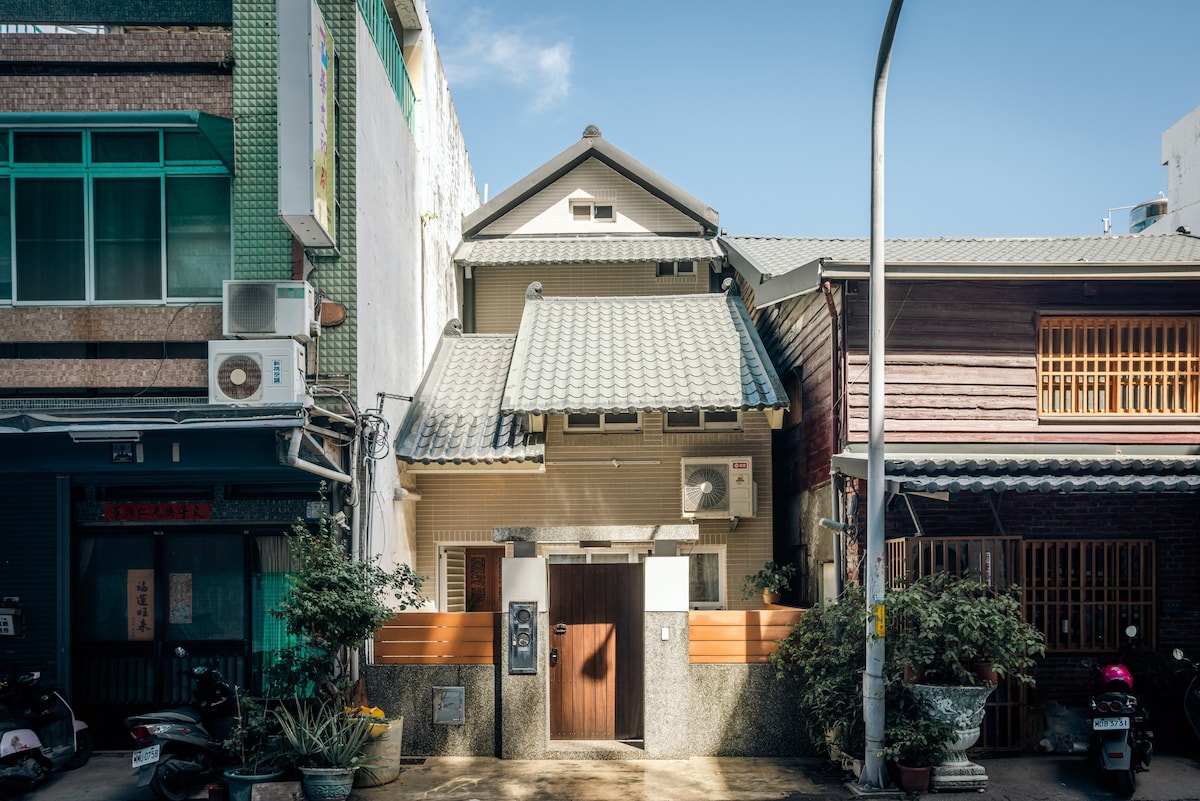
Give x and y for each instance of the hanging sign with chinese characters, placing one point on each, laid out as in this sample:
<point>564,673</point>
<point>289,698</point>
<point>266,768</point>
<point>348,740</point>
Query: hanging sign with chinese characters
<point>140,604</point>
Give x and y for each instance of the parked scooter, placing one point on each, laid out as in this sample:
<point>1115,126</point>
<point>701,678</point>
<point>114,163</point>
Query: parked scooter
<point>1191,696</point>
<point>179,749</point>
<point>1121,745</point>
<point>39,734</point>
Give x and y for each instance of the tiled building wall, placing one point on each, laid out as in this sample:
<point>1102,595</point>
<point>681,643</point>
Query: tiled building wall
<point>117,72</point>
<point>500,291</point>
<point>456,508</point>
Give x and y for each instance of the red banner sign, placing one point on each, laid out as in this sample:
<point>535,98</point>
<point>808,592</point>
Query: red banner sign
<point>157,511</point>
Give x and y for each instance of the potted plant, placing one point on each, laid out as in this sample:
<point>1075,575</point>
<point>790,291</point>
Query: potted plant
<point>327,744</point>
<point>254,745</point>
<point>955,630</point>
<point>914,741</point>
<point>823,657</point>
<point>771,579</point>
<point>333,603</point>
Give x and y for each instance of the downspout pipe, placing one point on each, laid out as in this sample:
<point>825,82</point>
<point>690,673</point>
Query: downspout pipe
<point>874,777</point>
<point>294,460</point>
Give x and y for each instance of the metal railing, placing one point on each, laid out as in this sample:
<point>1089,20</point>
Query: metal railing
<point>379,23</point>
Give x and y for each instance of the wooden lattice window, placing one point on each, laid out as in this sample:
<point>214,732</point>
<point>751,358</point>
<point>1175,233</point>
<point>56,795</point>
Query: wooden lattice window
<point>1119,365</point>
<point>1082,594</point>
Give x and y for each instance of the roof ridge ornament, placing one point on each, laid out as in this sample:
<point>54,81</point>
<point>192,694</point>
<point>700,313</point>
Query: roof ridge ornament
<point>592,132</point>
<point>453,328</point>
<point>731,288</point>
<point>534,291</point>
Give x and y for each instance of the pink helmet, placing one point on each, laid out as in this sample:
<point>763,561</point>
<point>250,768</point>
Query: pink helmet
<point>1115,678</point>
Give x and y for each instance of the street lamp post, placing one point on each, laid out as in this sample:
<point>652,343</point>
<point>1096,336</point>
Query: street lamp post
<point>873,777</point>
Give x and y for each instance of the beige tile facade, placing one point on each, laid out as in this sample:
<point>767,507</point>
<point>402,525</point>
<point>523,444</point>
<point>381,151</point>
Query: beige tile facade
<point>458,507</point>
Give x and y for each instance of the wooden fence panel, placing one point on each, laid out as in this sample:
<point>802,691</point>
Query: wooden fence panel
<point>439,638</point>
<point>737,637</point>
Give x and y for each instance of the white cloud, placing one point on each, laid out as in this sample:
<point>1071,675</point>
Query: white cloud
<point>481,52</point>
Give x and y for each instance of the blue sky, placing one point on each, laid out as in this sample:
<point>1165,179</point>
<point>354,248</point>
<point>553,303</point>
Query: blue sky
<point>1004,118</point>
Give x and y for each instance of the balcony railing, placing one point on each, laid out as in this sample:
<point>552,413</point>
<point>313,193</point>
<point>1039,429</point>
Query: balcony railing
<point>379,23</point>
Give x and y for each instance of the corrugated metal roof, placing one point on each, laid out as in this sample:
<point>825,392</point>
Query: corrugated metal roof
<point>1044,474</point>
<point>455,416</point>
<point>586,250</point>
<point>780,255</point>
<point>639,353</point>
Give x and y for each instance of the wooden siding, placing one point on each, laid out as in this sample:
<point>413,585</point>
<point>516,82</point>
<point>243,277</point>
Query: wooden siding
<point>637,211</point>
<point>462,508</point>
<point>732,637</point>
<point>798,334</point>
<point>438,638</point>
<point>962,362</point>
<point>500,291</point>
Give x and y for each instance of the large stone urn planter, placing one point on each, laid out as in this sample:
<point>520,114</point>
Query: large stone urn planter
<point>961,707</point>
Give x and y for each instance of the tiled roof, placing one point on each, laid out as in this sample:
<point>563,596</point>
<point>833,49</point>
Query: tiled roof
<point>586,250</point>
<point>455,416</point>
<point>639,353</point>
<point>1044,474</point>
<point>780,255</point>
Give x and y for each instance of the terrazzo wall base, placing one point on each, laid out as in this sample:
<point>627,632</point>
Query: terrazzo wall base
<point>408,690</point>
<point>666,724</point>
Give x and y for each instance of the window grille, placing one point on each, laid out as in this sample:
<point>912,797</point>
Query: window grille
<point>1119,365</point>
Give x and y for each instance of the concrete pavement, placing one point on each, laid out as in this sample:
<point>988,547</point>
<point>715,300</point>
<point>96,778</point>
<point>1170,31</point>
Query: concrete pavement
<point>1042,777</point>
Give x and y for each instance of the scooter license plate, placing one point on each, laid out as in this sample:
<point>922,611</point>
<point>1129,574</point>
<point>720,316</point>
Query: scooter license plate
<point>1104,724</point>
<point>146,756</point>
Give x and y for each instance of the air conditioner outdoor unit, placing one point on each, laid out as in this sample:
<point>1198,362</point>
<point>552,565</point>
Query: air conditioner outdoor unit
<point>256,373</point>
<point>718,486</point>
<point>269,310</point>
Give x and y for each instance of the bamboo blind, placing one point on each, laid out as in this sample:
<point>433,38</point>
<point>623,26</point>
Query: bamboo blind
<point>1119,365</point>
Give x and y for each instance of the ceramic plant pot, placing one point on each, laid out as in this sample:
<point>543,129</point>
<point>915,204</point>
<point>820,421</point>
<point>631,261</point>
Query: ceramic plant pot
<point>327,784</point>
<point>241,785</point>
<point>961,707</point>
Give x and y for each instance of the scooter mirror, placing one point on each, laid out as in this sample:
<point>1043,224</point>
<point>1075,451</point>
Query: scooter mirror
<point>1131,631</point>
<point>1177,654</point>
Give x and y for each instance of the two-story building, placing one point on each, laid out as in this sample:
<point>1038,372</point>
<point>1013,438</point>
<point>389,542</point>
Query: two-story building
<point>593,444</point>
<point>1042,422</point>
<point>201,322</point>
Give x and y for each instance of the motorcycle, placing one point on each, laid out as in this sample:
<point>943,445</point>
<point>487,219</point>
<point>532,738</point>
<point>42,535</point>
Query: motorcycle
<point>179,749</point>
<point>39,734</point>
<point>1121,746</point>
<point>1191,697</point>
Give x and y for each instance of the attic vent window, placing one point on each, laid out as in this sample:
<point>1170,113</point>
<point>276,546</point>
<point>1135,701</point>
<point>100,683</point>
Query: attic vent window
<point>590,211</point>
<point>710,420</point>
<point>669,268</point>
<point>577,423</point>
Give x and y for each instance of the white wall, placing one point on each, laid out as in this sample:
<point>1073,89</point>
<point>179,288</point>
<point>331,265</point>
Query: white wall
<point>1181,156</point>
<point>411,196</point>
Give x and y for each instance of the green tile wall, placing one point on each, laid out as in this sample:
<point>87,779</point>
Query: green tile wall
<point>262,243</point>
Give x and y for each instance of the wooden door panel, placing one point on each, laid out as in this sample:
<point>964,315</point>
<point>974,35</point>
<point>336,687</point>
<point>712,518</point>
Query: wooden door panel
<point>596,627</point>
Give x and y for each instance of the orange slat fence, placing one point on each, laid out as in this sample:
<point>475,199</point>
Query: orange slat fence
<point>737,637</point>
<point>438,638</point>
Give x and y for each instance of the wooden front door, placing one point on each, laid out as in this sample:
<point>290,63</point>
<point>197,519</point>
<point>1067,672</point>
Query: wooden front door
<point>596,664</point>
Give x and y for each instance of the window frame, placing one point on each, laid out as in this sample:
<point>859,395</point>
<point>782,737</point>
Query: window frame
<point>591,205</point>
<point>722,579</point>
<point>604,426</point>
<point>704,424</point>
<point>676,269</point>
<point>88,170</point>
<point>1088,366</point>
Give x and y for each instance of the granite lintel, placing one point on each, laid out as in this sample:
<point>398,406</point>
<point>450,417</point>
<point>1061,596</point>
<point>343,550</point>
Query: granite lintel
<point>682,532</point>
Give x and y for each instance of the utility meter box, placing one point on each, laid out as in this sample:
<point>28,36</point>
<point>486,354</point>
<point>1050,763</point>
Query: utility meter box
<point>522,637</point>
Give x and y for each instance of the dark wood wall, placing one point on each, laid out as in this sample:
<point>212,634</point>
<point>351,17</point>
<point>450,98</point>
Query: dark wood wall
<point>961,358</point>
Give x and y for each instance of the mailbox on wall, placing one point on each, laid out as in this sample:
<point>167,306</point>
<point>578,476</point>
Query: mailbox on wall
<point>522,637</point>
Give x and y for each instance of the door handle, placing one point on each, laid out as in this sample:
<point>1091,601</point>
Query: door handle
<point>553,657</point>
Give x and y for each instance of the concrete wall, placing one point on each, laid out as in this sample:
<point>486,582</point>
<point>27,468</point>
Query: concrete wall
<point>717,710</point>
<point>1181,157</point>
